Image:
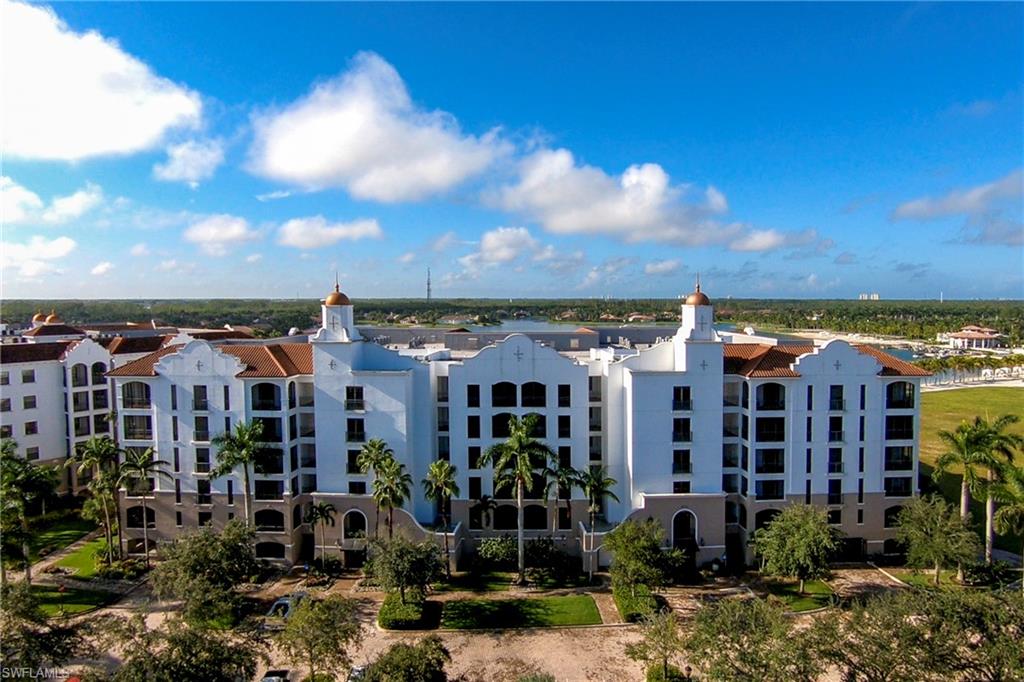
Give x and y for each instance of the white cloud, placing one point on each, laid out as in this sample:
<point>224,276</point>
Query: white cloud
<point>500,246</point>
<point>17,204</point>
<point>639,205</point>
<point>33,258</point>
<point>276,194</point>
<point>768,240</point>
<point>102,268</point>
<point>972,201</point>
<point>444,242</point>
<point>608,272</point>
<point>63,209</point>
<point>215,234</point>
<point>362,131</point>
<point>316,232</point>
<point>167,265</point>
<point>662,267</point>
<point>407,257</point>
<point>191,162</point>
<point>254,258</point>
<point>140,250</point>
<point>69,96</point>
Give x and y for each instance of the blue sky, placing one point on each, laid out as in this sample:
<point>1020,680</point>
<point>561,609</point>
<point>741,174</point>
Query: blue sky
<point>209,150</point>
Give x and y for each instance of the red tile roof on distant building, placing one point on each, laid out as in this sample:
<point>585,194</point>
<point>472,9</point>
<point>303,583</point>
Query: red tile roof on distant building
<point>756,360</point>
<point>54,330</point>
<point>11,353</point>
<point>264,360</point>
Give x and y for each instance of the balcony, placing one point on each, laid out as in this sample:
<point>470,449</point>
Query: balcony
<point>595,425</point>
<point>201,436</point>
<point>731,401</point>
<point>902,464</point>
<point>771,468</point>
<point>265,405</point>
<point>836,436</point>
<point>202,498</point>
<point>682,467</point>
<point>138,434</point>
<point>202,468</point>
<point>835,467</point>
<point>355,436</point>
<point>355,405</point>
<point>899,434</point>
<point>682,436</point>
<point>137,403</point>
<point>684,405</point>
<point>836,404</point>
<point>835,498</point>
<point>731,432</point>
<point>771,405</point>
<point>201,405</point>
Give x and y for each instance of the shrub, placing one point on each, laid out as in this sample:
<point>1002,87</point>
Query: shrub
<point>537,677</point>
<point>984,574</point>
<point>655,674</point>
<point>499,553</point>
<point>421,662</point>
<point>635,604</point>
<point>394,615</point>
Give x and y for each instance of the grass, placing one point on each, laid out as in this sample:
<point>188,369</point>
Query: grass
<point>943,411</point>
<point>57,535</point>
<point>817,594</point>
<point>464,614</point>
<point>491,581</point>
<point>916,577</point>
<point>83,560</point>
<point>73,600</point>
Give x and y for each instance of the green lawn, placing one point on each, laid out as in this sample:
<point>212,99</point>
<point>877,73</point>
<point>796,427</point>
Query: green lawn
<point>83,560</point>
<point>816,594</point>
<point>924,578</point>
<point>58,535</point>
<point>73,600</point>
<point>465,614</point>
<point>943,411</point>
<point>494,581</point>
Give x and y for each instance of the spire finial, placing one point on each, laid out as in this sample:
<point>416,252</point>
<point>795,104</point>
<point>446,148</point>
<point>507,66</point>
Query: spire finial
<point>698,282</point>
<point>337,284</point>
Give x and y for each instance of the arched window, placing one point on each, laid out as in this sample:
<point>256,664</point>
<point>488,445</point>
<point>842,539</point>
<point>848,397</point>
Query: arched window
<point>291,395</point>
<point>534,394</point>
<point>764,517</point>
<point>135,395</point>
<point>892,516</point>
<point>503,394</point>
<point>79,375</point>
<point>771,396</point>
<point>499,425</point>
<point>266,396</point>
<point>269,550</point>
<point>99,369</point>
<point>535,517</point>
<point>505,517</point>
<point>354,525</point>
<point>134,517</point>
<point>269,520</point>
<point>899,395</point>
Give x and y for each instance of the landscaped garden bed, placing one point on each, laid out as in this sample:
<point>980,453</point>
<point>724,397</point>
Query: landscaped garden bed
<point>51,536</point>
<point>816,595</point>
<point>466,614</point>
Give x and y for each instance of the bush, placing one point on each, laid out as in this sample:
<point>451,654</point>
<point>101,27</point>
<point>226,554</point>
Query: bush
<point>634,605</point>
<point>537,677</point>
<point>499,553</point>
<point>656,674</point>
<point>983,574</point>
<point>394,615</point>
<point>126,569</point>
<point>421,662</point>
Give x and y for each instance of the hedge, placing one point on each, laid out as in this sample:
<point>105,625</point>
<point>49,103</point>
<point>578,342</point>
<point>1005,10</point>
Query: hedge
<point>394,615</point>
<point>656,674</point>
<point>634,604</point>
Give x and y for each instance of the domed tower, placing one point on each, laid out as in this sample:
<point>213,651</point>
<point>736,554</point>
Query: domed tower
<point>38,319</point>
<point>338,322</point>
<point>53,318</point>
<point>698,317</point>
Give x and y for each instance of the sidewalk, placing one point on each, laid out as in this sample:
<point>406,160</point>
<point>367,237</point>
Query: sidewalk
<point>39,568</point>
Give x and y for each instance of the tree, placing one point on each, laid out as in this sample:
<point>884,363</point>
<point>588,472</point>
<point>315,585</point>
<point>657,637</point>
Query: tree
<point>101,457</point>
<point>596,485</point>
<point>749,640</point>
<point>140,466</point>
<point>398,564</point>
<point>661,643</point>
<point>440,487</point>
<point>391,488</point>
<point>22,484</point>
<point>637,558</point>
<point>320,633</point>
<point>1000,447</point>
<point>797,543</point>
<point>371,458</point>
<point>558,478</point>
<point>1009,492</point>
<point>935,534</point>
<point>515,462</point>
<point>421,662</point>
<point>243,448</point>
<point>321,514</point>
<point>177,651</point>
<point>978,633</point>
<point>486,505</point>
<point>31,640</point>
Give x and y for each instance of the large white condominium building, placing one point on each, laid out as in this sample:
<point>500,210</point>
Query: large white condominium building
<point>710,433</point>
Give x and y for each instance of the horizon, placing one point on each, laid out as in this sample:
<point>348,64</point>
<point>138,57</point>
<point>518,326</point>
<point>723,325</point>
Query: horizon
<point>784,152</point>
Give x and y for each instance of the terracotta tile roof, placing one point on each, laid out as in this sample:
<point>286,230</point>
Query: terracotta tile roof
<point>217,334</point>
<point>263,360</point>
<point>11,353</point>
<point>54,330</point>
<point>755,360</point>
<point>122,345</point>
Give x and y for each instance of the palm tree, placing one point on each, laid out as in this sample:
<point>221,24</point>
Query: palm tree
<point>322,514</point>
<point>486,505</point>
<point>240,449</point>
<point>558,478</point>
<point>1009,492</point>
<point>141,466</point>
<point>372,457</point>
<point>597,485</point>
<point>440,487</point>
<point>21,484</point>
<point>391,488</point>
<point>101,457</point>
<point>1000,447</point>
<point>514,464</point>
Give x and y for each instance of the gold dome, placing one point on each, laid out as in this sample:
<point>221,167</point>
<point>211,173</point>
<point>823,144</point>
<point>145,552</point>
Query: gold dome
<point>698,297</point>
<point>336,297</point>
<point>53,318</point>
<point>39,317</point>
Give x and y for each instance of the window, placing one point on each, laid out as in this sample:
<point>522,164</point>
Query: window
<point>899,427</point>
<point>79,375</point>
<point>540,425</point>
<point>357,487</point>
<point>770,429</point>
<point>355,431</point>
<point>769,490</point>
<point>174,428</point>
<point>100,399</point>
<point>503,394</point>
<point>898,487</point>
<point>861,428</point>
<point>473,426</point>
<point>205,518</point>
<point>82,428</point>
<point>807,492</point>
<point>863,396</point>
<point>810,397</point>
<point>564,426</point>
<point>32,453</point>
<point>809,458</point>
<point>5,378</point>
<point>28,376</point>
<point>680,487</point>
<point>835,460</point>
<point>202,460</point>
<point>442,389</point>
<point>269,490</point>
<point>80,401</point>
<point>28,402</point>
<point>899,458</point>
<point>860,517</point>
<point>352,462</point>
<point>594,388</point>
<point>473,395</point>
<point>681,463</point>
<point>354,399</point>
<point>100,423</point>
<point>835,517</point>
<point>177,460</point>
<point>835,430</point>
<point>899,395</point>
<point>135,395</point>
<point>860,491</point>
<point>564,456</point>
<point>595,448</point>
<point>681,430</point>
<point>444,448</point>
<point>771,396</point>
<point>203,495</point>
<point>174,397</point>
<point>227,425</point>
<point>595,418</point>
<point>892,517</point>
<point>835,491</point>
<point>6,431</point>
<point>681,398</point>
<point>269,462</point>
<point>200,402</point>
<point>475,488</point>
<point>499,425</point>
<point>177,519</point>
<point>138,427</point>
<point>809,435</point>
<point>770,461</point>
<point>730,483</point>
<point>442,419</point>
<point>177,491</point>
<point>202,429</point>
<point>534,394</point>
<point>564,395</point>
<point>730,455</point>
<point>227,398</point>
<point>5,404</point>
<point>835,397</point>
<point>473,456</point>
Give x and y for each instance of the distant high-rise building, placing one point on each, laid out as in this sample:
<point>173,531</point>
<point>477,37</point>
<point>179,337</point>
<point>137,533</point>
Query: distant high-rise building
<point>428,284</point>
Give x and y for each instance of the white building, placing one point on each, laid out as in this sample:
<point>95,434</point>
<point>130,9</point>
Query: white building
<point>711,433</point>
<point>975,338</point>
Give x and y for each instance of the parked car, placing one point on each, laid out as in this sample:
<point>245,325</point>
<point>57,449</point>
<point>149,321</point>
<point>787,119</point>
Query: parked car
<point>277,676</point>
<point>282,609</point>
<point>357,674</point>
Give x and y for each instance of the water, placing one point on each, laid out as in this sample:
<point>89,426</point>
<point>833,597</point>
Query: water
<point>531,325</point>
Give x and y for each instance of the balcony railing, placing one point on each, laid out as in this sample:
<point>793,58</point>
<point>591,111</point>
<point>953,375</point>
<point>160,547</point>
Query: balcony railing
<point>201,436</point>
<point>836,404</point>
<point>138,434</point>
<point>204,499</point>
<point>731,431</point>
<point>771,436</point>
<point>308,462</point>
<point>835,498</point>
<point>354,405</point>
<point>731,401</point>
<point>899,434</point>
<point>836,436</point>
<point>595,425</point>
<point>682,436</point>
<point>769,405</point>
<point>771,468</point>
<point>899,403</point>
<point>835,467</point>
<point>137,403</point>
<point>266,405</point>
<point>270,528</point>
<point>899,465</point>
<point>202,468</point>
<point>682,467</point>
<point>355,436</point>
<point>682,404</point>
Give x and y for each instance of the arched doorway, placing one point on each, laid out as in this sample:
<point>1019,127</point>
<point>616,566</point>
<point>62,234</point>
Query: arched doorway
<point>684,537</point>
<point>765,517</point>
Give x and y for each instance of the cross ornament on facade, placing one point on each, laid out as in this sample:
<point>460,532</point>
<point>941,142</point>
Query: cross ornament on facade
<point>334,324</point>
<point>518,354</point>
<point>704,365</point>
<point>332,364</point>
<point>199,365</point>
<point>837,365</point>
<point>702,324</point>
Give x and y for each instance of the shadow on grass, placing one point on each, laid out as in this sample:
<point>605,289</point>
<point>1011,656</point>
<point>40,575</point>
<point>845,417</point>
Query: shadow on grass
<point>520,613</point>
